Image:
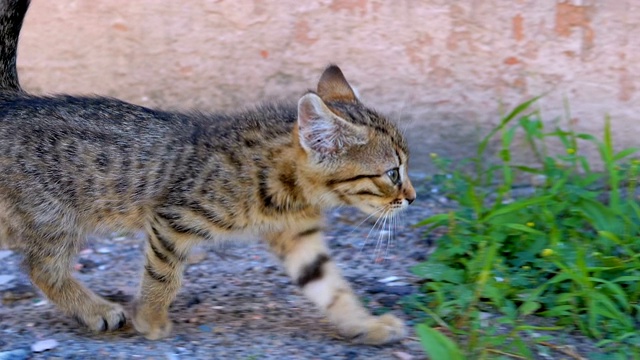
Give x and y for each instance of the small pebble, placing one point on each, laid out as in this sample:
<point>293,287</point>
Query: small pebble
<point>399,290</point>
<point>103,250</point>
<point>41,302</point>
<point>195,300</point>
<point>351,354</point>
<point>418,256</point>
<point>388,301</point>
<point>389,279</point>
<point>18,292</point>
<point>86,252</point>
<point>376,289</point>
<point>171,356</point>
<point>402,355</point>
<point>19,354</point>
<point>5,279</point>
<point>44,345</point>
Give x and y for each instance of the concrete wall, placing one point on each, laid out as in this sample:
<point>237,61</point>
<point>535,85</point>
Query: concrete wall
<point>444,68</point>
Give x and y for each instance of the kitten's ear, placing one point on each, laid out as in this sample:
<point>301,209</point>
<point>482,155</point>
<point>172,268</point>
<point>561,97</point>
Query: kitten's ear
<point>323,132</point>
<point>333,86</point>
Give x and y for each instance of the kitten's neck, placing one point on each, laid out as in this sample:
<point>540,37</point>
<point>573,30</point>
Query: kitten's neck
<point>288,185</point>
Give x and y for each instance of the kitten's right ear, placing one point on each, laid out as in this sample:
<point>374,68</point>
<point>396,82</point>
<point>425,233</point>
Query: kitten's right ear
<point>324,133</point>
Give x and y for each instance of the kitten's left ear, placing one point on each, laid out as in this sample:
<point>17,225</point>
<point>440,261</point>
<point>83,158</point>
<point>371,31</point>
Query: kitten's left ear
<point>324,133</point>
<point>333,86</point>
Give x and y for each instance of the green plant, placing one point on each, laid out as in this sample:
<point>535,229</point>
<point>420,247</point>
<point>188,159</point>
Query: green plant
<point>569,250</point>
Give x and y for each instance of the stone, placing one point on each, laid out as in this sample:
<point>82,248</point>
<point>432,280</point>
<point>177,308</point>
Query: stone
<point>44,345</point>
<point>19,354</point>
<point>5,279</point>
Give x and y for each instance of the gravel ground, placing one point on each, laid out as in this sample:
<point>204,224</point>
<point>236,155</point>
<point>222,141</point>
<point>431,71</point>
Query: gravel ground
<point>240,307</point>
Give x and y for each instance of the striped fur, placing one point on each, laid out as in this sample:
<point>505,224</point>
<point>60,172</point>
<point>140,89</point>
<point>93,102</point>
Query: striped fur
<point>73,165</point>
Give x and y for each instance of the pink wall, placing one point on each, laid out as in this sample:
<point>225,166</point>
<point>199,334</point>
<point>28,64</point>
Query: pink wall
<point>445,68</point>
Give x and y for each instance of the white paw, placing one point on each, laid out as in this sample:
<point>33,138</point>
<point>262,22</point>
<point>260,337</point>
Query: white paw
<point>378,330</point>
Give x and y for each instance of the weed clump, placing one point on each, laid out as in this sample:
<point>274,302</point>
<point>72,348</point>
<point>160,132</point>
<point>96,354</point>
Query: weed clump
<point>570,250</point>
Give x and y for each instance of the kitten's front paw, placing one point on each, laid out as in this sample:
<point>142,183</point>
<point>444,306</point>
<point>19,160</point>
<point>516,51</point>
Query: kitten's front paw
<point>379,330</point>
<point>101,316</point>
<point>152,325</point>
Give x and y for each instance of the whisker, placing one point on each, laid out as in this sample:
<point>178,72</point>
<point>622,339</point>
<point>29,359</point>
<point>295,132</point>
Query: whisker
<point>381,234</point>
<point>362,222</point>
<point>391,235</point>
<point>366,240</point>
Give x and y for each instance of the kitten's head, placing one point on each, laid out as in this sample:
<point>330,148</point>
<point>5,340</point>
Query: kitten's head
<point>357,155</point>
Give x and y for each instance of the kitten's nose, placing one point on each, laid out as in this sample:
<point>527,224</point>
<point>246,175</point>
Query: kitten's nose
<point>409,192</point>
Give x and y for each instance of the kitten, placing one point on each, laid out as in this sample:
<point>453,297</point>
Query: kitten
<point>72,165</point>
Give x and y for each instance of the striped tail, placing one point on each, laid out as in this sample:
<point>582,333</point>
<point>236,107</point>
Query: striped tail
<point>12,14</point>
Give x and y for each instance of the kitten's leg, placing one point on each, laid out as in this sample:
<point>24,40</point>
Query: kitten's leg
<point>48,259</point>
<point>306,259</point>
<point>164,265</point>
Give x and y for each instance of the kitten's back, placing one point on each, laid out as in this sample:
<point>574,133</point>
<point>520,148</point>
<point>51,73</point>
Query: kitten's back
<point>100,162</point>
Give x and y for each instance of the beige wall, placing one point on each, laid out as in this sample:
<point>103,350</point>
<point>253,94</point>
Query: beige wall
<point>444,67</point>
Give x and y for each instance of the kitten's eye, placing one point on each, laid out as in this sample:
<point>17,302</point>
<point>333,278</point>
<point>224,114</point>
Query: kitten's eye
<point>394,175</point>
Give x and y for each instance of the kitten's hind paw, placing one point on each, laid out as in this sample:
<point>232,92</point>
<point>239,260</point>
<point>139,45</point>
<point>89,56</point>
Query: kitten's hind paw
<point>102,316</point>
<point>380,330</point>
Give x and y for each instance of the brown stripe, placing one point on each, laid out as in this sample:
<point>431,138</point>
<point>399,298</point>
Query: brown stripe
<point>399,158</point>
<point>172,221</point>
<point>313,271</point>
<point>167,245</point>
<point>354,178</point>
<point>367,192</point>
<point>155,276</point>
<point>268,201</point>
<point>308,232</point>
<point>343,198</point>
<point>162,257</point>
<point>211,216</point>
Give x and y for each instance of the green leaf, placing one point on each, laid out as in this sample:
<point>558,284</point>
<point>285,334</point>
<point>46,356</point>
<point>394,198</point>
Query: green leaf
<point>624,153</point>
<point>438,272</point>
<point>603,217</point>
<point>588,137</point>
<point>515,206</point>
<point>437,345</point>
<point>616,290</point>
<point>517,110</point>
<point>435,219</point>
<point>627,278</point>
<point>529,308</point>
<point>524,228</point>
<point>528,169</point>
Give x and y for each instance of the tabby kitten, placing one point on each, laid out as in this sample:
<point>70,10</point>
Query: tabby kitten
<point>72,165</point>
